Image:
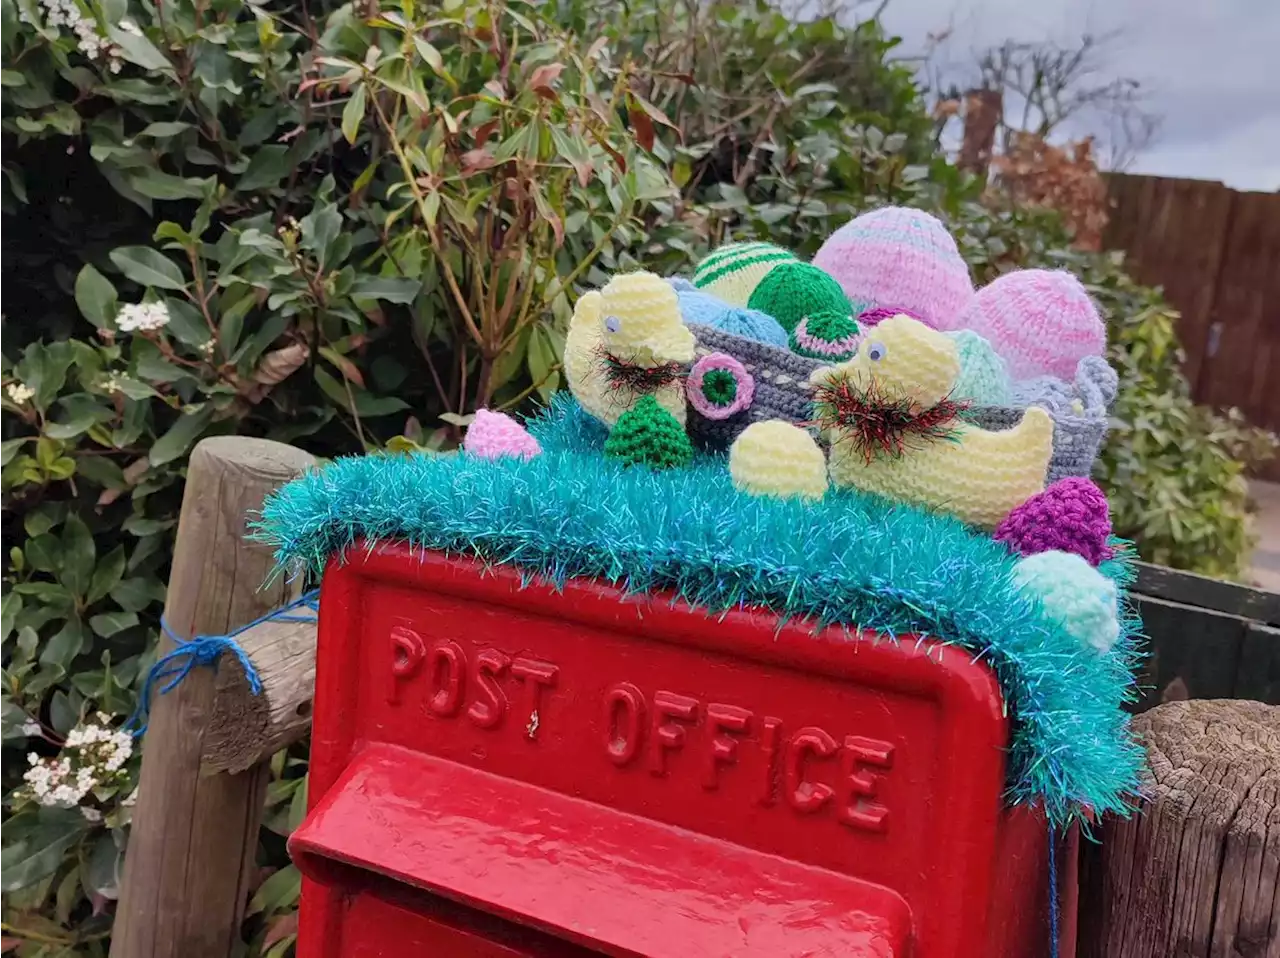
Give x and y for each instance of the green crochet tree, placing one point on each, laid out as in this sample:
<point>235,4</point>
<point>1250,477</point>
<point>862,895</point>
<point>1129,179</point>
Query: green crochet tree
<point>649,434</point>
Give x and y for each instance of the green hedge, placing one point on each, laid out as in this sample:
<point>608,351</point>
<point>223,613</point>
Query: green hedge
<point>355,222</point>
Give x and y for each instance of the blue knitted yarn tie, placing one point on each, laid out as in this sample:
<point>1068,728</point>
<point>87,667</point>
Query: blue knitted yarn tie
<point>1053,892</point>
<point>205,650</point>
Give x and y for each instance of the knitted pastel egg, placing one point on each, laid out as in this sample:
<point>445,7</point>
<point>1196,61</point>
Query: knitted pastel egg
<point>1041,321</point>
<point>733,271</point>
<point>1069,516</point>
<point>1075,595</point>
<point>493,435</point>
<point>707,310</point>
<point>777,458</point>
<point>983,379</point>
<point>719,386</point>
<point>901,260</point>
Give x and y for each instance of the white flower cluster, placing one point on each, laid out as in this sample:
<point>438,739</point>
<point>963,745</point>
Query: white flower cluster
<point>20,393</point>
<point>93,755</point>
<point>67,13</point>
<point>142,316</point>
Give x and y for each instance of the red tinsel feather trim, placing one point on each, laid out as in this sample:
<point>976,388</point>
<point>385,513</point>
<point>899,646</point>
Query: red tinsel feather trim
<point>624,375</point>
<point>877,426</point>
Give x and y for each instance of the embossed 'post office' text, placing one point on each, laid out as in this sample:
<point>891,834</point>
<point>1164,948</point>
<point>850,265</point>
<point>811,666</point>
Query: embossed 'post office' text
<point>805,768</point>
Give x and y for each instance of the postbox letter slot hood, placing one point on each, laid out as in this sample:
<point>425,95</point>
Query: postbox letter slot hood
<point>585,873</point>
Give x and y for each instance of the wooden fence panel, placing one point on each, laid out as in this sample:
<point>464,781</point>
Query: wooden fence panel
<point>1175,232</point>
<point>1208,639</point>
<point>1216,252</point>
<point>1247,312</point>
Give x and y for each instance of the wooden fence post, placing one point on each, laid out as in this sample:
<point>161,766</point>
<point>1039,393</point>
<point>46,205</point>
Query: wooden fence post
<point>1196,873</point>
<point>192,842</point>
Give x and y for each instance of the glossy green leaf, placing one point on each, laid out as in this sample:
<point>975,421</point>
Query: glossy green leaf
<point>353,113</point>
<point>96,297</point>
<point>278,891</point>
<point>135,594</point>
<point>34,844</point>
<point>107,624</point>
<point>138,49</point>
<point>180,436</point>
<point>148,267</point>
<point>78,555</point>
<point>107,574</point>
<point>268,166</point>
<point>389,288</point>
<point>64,645</point>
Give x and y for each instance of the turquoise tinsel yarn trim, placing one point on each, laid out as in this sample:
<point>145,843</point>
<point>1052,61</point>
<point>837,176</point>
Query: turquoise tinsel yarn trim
<point>848,559</point>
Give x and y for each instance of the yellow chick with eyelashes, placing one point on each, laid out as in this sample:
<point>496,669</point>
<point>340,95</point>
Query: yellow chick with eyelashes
<point>635,319</point>
<point>958,469</point>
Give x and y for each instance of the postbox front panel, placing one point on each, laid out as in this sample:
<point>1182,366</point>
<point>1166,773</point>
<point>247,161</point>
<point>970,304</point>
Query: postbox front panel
<point>876,759</point>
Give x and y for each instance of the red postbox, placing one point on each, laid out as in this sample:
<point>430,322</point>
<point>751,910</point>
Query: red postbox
<point>500,769</point>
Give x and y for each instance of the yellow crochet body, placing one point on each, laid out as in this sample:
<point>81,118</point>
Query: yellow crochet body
<point>979,476</point>
<point>636,317</point>
<point>777,458</point>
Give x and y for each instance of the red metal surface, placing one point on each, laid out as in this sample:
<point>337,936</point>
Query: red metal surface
<point>530,855</point>
<point>486,750</point>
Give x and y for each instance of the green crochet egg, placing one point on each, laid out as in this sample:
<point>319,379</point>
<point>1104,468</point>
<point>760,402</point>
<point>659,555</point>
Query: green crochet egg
<point>793,291</point>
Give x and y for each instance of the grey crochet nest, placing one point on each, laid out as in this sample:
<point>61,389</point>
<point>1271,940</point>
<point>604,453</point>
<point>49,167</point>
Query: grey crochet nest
<point>1079,410</point>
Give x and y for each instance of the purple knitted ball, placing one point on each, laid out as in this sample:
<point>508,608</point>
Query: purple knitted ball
<point>1070,516</point>
<point>901,259</point>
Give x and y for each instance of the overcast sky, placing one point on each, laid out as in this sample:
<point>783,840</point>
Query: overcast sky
<point>1211,67</point>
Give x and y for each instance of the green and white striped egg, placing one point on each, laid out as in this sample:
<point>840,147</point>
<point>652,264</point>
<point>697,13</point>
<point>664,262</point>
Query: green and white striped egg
<point>733,271</point>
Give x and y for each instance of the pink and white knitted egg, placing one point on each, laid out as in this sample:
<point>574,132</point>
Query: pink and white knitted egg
<point>1042,322</point>
<point>900,260</point>
<point>492,435</point>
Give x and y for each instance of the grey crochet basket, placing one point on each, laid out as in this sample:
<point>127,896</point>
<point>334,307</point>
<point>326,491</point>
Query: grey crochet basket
<point>1079,410</point>
<point>1080,413</point>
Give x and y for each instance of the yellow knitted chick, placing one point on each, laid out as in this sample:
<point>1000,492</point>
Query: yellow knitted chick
<point>971,473</point>
<point>633,323</point>
<point>778,458</point>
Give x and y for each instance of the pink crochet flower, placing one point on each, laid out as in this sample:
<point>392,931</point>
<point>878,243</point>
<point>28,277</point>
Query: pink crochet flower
<point>1070,516</point>
<point>719,386</point>
<point>492,435</point>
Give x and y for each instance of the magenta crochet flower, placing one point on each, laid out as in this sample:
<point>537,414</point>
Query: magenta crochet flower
<point>495,434</point>
<point>878,314</point>
<point>1070,516</point>
<point>719,386</point>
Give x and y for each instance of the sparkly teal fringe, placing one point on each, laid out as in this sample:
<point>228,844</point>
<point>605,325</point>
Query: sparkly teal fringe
<point>849,559</point>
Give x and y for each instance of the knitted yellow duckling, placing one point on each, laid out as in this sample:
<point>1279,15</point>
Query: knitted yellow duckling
<point>894,430</point>
<point>626,341</point>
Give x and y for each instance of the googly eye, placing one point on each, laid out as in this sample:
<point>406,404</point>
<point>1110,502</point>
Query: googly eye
<point>876,352</point>
<point>612,323</point>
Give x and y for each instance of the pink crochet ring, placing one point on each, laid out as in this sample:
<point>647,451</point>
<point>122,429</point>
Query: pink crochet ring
<point>719,386</point>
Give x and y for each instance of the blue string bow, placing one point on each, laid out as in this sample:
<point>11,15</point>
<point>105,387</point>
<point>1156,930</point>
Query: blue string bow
<point>176,664</point>
<point>1053,892</point>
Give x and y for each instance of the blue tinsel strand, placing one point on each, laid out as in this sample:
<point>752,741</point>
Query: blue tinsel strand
<point>850,560</point>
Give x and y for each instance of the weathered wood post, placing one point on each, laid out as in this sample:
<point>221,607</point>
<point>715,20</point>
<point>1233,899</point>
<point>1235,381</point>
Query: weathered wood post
<point>1197,873</point>
<point>193,836</point>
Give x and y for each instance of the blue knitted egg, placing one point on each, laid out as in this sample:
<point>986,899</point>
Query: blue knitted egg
<point>707,310</point>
